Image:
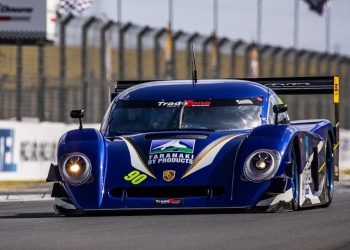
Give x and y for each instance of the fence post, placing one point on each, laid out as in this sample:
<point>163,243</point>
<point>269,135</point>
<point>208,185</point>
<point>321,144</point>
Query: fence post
<point>157,36</point>
<point>103,69</point>
<point>221,43</point>
<point>2,97</point>
<point>62,90</point>
<point>298,55</point>
<point>319,60</point>
<point>204,56</point>
<point>247,58</point>
<point>321,57</point>
<point>189,43</point>
<point>175,37</point>
<point>340,65</point>
<point>122,31</point>
<point>84,63</point>
<point>285,56</point>
<point>331,60</point>
<point>42,82</point>
<point>344,62</point>
<point>346,82</point>
<point>19,75</point>
<point>234,48</point>
<point>310,56</point>
<point>262,50</point>
<point>139,57</point>
<point>273,56</point>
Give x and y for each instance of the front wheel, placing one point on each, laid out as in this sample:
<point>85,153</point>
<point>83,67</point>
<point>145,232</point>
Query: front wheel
<point>295,182</point>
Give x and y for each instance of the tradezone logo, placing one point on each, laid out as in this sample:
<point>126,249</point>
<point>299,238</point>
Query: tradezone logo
<point>6,151</point>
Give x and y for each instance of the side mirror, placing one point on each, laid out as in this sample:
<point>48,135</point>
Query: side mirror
<point>78,114</point>
<point>277,109</point>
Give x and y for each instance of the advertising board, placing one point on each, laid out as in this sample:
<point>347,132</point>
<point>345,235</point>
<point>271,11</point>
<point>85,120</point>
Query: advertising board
<point>28,148</point>
<point>27,21</point>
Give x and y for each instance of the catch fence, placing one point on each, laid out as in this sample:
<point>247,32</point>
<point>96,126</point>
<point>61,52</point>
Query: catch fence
<point>45,81</point>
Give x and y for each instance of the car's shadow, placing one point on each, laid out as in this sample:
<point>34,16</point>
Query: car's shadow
<point>125,213</point>
<point>143,212</point>
<point>27,215</point>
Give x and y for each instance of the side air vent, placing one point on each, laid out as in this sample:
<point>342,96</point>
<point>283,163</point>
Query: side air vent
<point>167,192</point>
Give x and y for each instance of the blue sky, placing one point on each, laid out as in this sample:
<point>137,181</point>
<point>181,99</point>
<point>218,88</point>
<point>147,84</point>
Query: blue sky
<point>238,20</point>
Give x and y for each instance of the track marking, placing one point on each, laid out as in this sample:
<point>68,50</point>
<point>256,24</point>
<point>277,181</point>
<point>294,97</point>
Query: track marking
<point>24,197</point>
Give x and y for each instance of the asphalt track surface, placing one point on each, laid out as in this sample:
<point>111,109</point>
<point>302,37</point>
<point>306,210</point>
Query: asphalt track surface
<point>33,225</point>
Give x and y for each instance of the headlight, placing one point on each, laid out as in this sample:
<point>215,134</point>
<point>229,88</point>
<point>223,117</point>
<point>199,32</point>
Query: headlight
<point>261,164</point>
<point>76,168</point>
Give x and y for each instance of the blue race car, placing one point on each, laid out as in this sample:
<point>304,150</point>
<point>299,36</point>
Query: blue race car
<point>211,144</point>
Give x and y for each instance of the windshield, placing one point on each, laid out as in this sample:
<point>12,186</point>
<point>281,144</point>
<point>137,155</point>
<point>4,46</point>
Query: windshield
<point>147,116</point>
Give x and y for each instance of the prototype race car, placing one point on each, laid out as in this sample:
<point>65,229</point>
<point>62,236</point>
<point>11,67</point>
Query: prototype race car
<point>211,144</point>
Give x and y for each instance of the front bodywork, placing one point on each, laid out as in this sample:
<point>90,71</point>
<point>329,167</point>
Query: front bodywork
<point>209,173</point>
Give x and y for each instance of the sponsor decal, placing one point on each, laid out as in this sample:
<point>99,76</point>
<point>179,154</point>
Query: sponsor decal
<point>336,90</point>
<point>193,103</point>
<point>244,102</point>
<point>37,151</point>
<point>7,8</point>
<point>170,104</point>
<point>169,175</point>
<point>8,13</point>
<point>168,201</point>
<point>6,151</point>
<point>171,151</point>
<point>135,177</point>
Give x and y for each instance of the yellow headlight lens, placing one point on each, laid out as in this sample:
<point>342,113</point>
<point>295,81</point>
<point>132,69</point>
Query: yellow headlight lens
<point>260,164</point>
<point>76,169</point>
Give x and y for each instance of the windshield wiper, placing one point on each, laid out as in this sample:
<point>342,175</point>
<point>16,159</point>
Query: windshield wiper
<point>202,129</point>
<point>160,130</point>
<point>178,129</point>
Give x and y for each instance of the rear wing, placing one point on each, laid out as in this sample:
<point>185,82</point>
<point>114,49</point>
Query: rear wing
<point>120,86</point>
<point>287,86</point>
<point>307,86</point>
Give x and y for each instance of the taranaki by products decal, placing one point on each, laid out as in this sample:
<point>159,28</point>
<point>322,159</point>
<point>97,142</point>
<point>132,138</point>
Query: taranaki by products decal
<point>171,151</point>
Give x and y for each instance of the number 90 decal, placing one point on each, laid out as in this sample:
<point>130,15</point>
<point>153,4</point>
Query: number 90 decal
<point>135,177</point>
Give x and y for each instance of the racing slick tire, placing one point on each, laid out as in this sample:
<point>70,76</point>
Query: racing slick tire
<point>329,185</point>
<point>295,182</point>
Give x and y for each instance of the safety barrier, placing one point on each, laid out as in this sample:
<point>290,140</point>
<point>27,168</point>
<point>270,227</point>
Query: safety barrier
<point>28,148</point>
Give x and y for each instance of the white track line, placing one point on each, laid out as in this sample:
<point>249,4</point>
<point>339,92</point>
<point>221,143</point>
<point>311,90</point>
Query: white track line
<point>24,197</point>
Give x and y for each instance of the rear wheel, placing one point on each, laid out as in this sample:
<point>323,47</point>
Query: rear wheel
<point>329,175</point>
<point>295,182</point>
